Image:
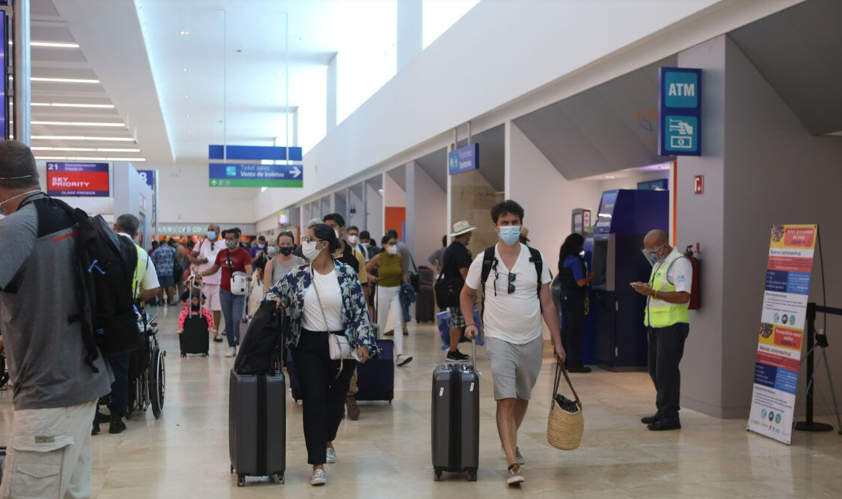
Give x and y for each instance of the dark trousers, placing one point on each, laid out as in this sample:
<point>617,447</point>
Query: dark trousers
<point>666,348</point>
<point>322,393</point>
<point>120,387</point>
<point>572,322</point>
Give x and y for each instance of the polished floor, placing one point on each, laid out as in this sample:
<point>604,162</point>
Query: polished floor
<point>386,453</point>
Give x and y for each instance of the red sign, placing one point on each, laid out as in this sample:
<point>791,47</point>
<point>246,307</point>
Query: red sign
<point>78,179</point>
<point>799,237</point>
<point>699,184</point>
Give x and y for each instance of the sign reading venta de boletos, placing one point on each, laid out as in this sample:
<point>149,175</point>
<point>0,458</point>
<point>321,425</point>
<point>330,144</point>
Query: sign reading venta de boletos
<point>229,166</point>
<point>680,116</point>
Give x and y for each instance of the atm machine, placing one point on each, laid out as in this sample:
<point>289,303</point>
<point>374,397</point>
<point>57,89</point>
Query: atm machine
<point>623,219</point>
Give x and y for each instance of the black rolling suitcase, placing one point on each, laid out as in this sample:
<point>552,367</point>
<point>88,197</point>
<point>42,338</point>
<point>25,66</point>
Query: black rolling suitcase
<point>195,339</point>
<point>425,305</point>
<point>257,425</point>
<point>456,419</point>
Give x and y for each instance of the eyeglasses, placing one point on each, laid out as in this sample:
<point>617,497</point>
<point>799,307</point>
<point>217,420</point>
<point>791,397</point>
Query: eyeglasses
<point>512,277</point>
<point>308,239</point>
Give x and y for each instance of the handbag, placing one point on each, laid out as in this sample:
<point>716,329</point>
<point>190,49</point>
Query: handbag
<point>239,280</point>
<point>564,428</point>
<point>448,291</point>
<point>338,344</point>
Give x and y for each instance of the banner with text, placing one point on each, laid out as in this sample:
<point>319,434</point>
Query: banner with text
<point>252,175</point>
<point>788,276</point>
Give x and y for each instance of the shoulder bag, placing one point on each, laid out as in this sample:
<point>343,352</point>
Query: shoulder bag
<point>338,344</point>
<point>239,280</point>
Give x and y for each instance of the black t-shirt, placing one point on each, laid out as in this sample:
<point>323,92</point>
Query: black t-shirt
<point>456,257</point>
<point>349,258</point>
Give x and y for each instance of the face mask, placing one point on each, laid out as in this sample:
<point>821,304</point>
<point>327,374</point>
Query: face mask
<point>352,239</point>
<point>232,245</point>
<point>211,234</point>
<point>286,250</point>
<point>261,246</point>
<point>2,211</point>
<point>336,232</point>
<point>651,256</point>
<point>510,234</point>
<point>392,250</point>
<point>272,251</point>
<point>310,251</point>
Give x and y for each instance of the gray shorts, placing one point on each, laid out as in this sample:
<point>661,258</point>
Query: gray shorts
<point>514,368</point>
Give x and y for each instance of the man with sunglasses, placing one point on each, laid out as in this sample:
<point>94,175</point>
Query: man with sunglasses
<point>516,295</point>
<point>668,321</point>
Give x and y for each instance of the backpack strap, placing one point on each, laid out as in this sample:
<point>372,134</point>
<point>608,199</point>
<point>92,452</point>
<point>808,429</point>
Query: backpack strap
<point>535,258</point>
<point>489,262</point>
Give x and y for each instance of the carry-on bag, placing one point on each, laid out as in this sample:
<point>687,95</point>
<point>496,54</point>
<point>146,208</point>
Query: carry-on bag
<point>425,304</point>
<point>257,425</point>
<point>455,419</point>
<point>443,324</point>
<point>567,422</point>
<point>376,378</point>
<point>195,339</point>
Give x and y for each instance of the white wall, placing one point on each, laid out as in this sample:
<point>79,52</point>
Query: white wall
<point>185,197</point>
<point>378,132</point>
<point>356,203</point>
<point>426,213</point>
<point>374,213</point>
<point>395,195</point>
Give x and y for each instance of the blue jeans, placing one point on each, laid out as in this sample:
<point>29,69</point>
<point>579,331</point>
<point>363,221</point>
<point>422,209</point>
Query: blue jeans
<point>232,310</point>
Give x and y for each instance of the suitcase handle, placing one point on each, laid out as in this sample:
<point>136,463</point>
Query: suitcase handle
<point>474,356</point>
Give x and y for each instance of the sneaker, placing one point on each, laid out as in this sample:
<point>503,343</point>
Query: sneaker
<point>456,356</point>
<point>117,425</point>
<point>515,475</point>
<point>353,408</point>
<point>217,339</point>
<point>403,360</point>
<point>651,419</point>
<point>318,478</point>
<point>95,430</point>
<point>390,332</point>
<point>232,351</point>
<point>331,455</point>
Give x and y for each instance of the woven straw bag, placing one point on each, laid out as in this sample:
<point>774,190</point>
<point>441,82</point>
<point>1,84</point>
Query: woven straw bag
<point>564,430</point>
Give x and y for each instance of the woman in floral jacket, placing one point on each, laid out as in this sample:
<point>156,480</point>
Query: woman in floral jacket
<point>325,303</point>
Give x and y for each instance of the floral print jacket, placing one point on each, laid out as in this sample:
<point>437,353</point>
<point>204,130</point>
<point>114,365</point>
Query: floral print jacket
<point>292,287</point>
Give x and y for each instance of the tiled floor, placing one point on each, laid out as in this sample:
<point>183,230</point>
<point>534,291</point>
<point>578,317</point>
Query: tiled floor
<point>387,452</point>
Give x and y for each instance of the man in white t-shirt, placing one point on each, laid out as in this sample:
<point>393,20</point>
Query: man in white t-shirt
<point>204,255</point>
<point>514,300</point>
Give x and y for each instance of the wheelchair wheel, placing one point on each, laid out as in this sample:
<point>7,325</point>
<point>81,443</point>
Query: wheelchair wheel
<point>157,382</point>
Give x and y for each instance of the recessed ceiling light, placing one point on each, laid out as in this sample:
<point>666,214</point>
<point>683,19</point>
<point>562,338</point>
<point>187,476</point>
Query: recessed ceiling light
<point>55,45</point>
<point>609,176</point>
<point>63,80</point>
<point>299,39</point>
<point>83,137</point>
<point>79,123</point>
<point>84,149</point>
<point>58,104</point>
<point>186,70</point>
<point>186,96</point>
<point>185,33</point>
<point>76,158</point>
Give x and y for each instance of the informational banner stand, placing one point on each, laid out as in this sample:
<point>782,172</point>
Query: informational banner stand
<point>781,333</point>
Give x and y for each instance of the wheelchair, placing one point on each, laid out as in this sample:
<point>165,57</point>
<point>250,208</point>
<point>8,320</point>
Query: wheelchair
<point>147,370</point>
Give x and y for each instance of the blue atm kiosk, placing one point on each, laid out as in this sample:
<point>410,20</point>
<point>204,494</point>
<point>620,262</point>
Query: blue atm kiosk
<point>624,218</point>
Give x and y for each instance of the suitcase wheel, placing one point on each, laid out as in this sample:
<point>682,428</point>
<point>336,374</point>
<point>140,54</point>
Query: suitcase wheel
<point>278,478</point>
<point>472,476</point>
<point>241,480</point>
<point>183,355</point>
<point>232,469</point>
<point>438,475</point>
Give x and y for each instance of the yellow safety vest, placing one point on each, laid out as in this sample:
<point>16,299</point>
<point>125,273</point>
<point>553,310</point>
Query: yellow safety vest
<point>140,270</point>
<point>658,312</point>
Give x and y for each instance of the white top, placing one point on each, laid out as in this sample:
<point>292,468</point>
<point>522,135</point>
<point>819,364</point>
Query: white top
<point>331,304</point>
<point>516,317</point>
<point>680,274</point>
<point>150,278</point>
<point>209,250</point>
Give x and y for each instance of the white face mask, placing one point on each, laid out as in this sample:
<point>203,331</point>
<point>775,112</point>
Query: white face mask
<point>3,211</point>
<point>337,233</point>
<point>352,239</point>
<point>309,250</point>
<point>392,250</point>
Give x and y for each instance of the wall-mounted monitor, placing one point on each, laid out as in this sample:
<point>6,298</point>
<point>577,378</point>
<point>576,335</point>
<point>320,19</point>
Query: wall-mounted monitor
<point>78,179</point>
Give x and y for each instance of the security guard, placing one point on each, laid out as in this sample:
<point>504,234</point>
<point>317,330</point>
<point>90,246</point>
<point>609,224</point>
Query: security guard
<point>668,321</point>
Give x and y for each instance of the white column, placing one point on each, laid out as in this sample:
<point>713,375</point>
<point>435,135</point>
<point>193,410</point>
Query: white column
<point>410,30</point>
<point>22,130</point>
<point>332,88</point>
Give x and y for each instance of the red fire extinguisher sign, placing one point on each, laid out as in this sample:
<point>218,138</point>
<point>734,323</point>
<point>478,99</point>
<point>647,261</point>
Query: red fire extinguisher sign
<point>699,184</point>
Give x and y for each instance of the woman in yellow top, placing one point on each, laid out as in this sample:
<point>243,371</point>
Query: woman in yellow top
<point>390,277</point>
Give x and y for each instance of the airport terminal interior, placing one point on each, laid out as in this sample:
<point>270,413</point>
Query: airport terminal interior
<point>668,170</point>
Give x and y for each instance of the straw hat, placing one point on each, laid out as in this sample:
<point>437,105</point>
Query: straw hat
<point>462,227</point>
<point>524,233</point>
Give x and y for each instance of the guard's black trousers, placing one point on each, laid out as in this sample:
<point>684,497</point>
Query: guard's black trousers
<point>666,348</point>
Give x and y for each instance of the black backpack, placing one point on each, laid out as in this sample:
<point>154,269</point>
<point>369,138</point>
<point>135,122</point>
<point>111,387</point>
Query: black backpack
<point>263,344</point>
<point>489,263</point>
<point>105,273</point>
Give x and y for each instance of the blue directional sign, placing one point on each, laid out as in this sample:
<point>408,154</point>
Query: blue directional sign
<point>680,112</point>
<point>148,176</point>
<point>254,175</point>
<point>463,159</point>
<point>248,153</point>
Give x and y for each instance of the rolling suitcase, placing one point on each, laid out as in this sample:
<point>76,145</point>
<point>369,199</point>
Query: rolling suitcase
<point>425,304</point>
<point>426,276</point>
<point>195,339</point>
<point>257,426</point>
<point>376,378</point>
<point>456,419</point>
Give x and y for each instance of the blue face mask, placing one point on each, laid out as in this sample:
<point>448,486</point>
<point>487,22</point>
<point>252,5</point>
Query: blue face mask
<point>211,234</point>
<point>510,234</point>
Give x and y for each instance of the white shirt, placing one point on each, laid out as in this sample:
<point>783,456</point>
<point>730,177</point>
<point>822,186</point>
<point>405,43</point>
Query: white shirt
<point>331,304</point>
<point>680,273</point>
<point>516,317</point>
<point>209,249</point>
<point>150,278</point>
